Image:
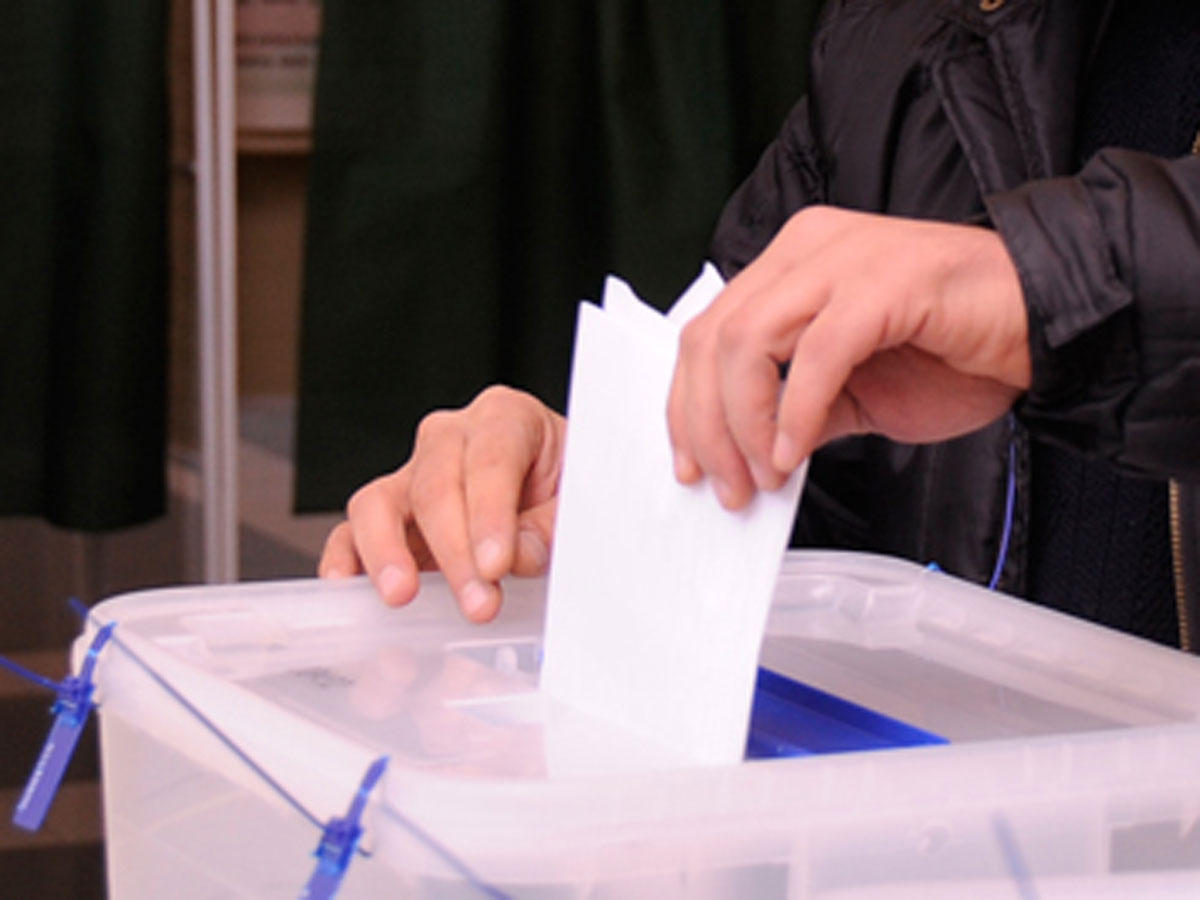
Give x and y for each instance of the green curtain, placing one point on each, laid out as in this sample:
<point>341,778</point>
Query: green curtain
<point>83,156</point>
<point>479,167</point>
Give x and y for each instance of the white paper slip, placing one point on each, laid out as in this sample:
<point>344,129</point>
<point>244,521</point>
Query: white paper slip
<point>658,596</point>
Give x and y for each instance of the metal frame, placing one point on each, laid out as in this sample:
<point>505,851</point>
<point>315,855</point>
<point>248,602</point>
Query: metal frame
<point>216,264</point>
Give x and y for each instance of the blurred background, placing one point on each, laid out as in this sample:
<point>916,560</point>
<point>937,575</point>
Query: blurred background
<point>422,193</point>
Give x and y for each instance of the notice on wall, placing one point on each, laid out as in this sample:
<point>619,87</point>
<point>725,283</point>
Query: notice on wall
<point>276,66</point>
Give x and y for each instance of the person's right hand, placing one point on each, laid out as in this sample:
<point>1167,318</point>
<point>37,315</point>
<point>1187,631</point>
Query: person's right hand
<point>476,500</point>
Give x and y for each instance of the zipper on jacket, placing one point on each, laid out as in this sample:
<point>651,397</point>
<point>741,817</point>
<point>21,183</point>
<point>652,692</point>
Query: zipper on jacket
<point>1181,607</point>
<point>1173,517</point>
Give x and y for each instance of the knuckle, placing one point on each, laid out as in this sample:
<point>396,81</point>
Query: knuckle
<point>360,499</point>
<point>336,538</point>
<point>434,424</point>
<point>495,394</point>
<point>502,405</point>
<point>498,447</point>
<point>693,337</point>
<point>736,332</point>
<point>798,223</point>
<point>503,419</point>
<point>811,221</point>
<point>427,490</point>
<point>497,402</point>
<point>381,490</point>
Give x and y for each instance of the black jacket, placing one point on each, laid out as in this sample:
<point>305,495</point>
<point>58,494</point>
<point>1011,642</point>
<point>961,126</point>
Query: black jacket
<point>964,110</point>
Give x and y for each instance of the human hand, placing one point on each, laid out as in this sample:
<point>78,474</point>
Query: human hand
<point>912,329</point>
<point>476,500</point>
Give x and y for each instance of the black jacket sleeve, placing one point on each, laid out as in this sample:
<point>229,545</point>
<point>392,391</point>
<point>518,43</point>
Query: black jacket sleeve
<point>1109,261</point>
<point>787,178</point>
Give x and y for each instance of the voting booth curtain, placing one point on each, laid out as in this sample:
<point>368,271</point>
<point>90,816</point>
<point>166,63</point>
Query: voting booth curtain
<point>83,158</point>
<point>479,167</point>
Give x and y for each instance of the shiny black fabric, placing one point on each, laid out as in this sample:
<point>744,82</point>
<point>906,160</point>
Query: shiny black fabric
<point>1099,537</point>
<point>948,111</point>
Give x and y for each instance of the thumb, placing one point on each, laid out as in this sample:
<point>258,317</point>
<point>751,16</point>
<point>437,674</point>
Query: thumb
<point>846,418</point>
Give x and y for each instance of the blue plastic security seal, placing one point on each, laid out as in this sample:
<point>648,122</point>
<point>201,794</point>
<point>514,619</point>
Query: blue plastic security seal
<point>340,840</point>
<point>70,711</point>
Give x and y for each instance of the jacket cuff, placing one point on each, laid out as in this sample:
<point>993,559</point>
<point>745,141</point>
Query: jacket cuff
<point>1064,260</point>
<point>1083,355</point>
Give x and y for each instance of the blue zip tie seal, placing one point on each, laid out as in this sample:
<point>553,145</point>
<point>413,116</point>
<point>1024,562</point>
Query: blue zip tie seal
<point>70,710</point>
<point>340,840</point>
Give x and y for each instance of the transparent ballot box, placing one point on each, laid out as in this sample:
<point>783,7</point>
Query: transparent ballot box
<point>912,736</point>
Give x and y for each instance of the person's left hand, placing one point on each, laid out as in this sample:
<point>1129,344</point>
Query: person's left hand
<point>912,329</point>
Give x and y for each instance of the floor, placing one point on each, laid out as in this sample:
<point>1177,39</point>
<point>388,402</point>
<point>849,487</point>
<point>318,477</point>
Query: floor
<point>41,567</point>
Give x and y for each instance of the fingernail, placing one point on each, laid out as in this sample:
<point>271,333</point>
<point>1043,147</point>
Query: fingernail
<point>489,556</point>
<point>784,456</point>
<point>475,599</point>
<point>724,491</point>
<point>333,572</point>
<point>766,479</point>
<point>533,548</point>
<point>685,468</point>
<point>390,582</point>
<point>681,463</point>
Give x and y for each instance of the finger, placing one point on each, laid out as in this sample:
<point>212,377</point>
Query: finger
<point>696,343</point>
<point>498,457</point>
<point>845,418</point>
<point>840,337</point>
<point>338,557</point>
<point>687,471</point>
<point>378,516</point>
<point>750,393</point>
<point>721,412</point>
<point>706,438</point>
<point>753,340</point>
<point>535,531</point>
<point>439,509</point>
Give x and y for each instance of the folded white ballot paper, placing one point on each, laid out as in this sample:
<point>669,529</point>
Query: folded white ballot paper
<point>658,596</point>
